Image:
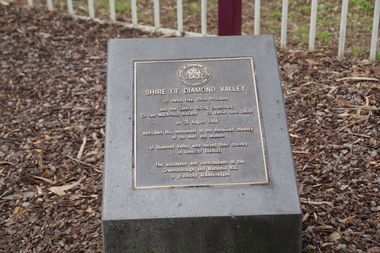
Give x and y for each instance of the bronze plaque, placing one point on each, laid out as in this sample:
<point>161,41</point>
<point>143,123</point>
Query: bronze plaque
<point>197,123</point>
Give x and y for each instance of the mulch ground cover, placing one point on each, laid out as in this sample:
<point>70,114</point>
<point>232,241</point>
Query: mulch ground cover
<point>52,121</point>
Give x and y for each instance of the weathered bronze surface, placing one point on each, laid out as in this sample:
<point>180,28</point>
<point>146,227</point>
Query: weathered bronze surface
<point>197,123</point>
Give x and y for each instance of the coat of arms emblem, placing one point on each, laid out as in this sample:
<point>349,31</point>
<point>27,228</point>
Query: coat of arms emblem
<point>194,74</point>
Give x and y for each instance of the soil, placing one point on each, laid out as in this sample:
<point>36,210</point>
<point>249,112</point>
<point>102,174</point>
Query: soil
<point>52,120</point>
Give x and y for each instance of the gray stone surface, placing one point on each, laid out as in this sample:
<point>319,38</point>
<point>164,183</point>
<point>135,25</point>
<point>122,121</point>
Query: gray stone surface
<point>239,234</point>
<point>219,218</point>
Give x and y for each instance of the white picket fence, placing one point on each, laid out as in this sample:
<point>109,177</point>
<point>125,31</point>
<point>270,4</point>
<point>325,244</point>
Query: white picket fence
<point>257,4</point>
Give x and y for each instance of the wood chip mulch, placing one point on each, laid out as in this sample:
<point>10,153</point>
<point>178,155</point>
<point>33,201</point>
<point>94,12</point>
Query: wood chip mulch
<point>52,114</point>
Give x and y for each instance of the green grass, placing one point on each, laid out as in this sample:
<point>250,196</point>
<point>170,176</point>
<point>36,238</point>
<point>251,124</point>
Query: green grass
<point>328,21</point>
<point>303,33</point>
<point>194,6</point>
<point>172,14</point>
<point>358,50</point>
<point>324,36</point>
<point>271,26</point>
<point>292,15</point>
<point>249,26</point>
<point>305,10</point>
<point>120,5</point>
<point>350,23</point>
<point>367,6</point>
<point>365,23</point>
<point>278,15</point>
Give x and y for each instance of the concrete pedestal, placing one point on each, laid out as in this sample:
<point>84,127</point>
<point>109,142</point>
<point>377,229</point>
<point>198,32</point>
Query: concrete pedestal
<point>148,209</point>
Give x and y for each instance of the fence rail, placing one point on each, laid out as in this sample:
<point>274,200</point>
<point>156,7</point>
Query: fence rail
<point>257,6</point>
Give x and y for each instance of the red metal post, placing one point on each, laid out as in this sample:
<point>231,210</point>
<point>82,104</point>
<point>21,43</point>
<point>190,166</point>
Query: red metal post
<point>229,17</point>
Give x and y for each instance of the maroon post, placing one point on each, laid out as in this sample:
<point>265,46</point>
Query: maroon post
<point>229,17</point>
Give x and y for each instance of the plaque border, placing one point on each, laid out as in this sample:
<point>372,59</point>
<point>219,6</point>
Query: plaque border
<point>135,128</point>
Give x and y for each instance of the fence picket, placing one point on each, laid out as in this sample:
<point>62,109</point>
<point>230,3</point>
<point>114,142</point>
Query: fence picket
<point>256,28</point>
<point>180,16</point>
<point>134,12</point>
<point>375,31</point>
<point>284,23</point>
<point>204,17</point>
<point>313,22</point>
<point>157,14</point>
<point>112,11</point>
<point>91,10</point>
<point>50,5</point>
<point>70,8</point>
<point>343,22</point>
